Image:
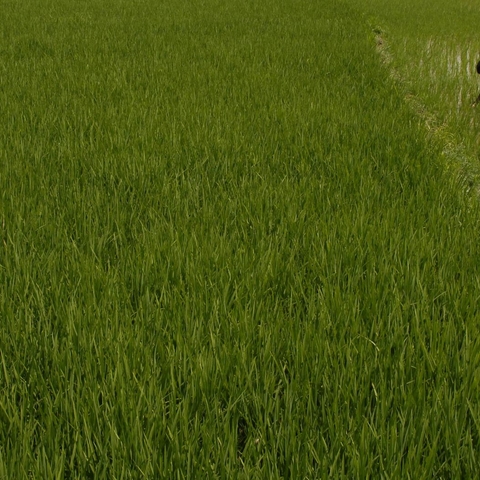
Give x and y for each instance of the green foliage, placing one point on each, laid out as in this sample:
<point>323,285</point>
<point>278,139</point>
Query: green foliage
<point>435,49</point>
<point>227,250</point>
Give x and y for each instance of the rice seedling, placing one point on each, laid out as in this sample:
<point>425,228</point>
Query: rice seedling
<point>229,248</point>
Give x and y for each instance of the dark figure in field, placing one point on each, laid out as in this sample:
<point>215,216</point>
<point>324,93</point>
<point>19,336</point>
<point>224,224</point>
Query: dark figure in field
<point>477,101</point>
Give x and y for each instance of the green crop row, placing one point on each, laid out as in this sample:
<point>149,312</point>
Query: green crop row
<point>228,247</point>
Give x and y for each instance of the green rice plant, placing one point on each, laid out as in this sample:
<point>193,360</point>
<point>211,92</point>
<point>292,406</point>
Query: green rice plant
<point>435,51</point>
<point>228,248</point>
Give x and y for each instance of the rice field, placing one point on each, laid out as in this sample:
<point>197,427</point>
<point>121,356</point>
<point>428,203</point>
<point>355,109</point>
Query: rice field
<point>231,246</point>
<point>435,50</point>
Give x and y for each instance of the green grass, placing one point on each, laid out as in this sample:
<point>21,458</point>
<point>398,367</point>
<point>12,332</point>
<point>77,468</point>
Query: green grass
<point>228,249</point>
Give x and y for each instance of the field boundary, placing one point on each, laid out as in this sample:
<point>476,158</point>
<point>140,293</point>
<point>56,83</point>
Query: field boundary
<point>457,161</point>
